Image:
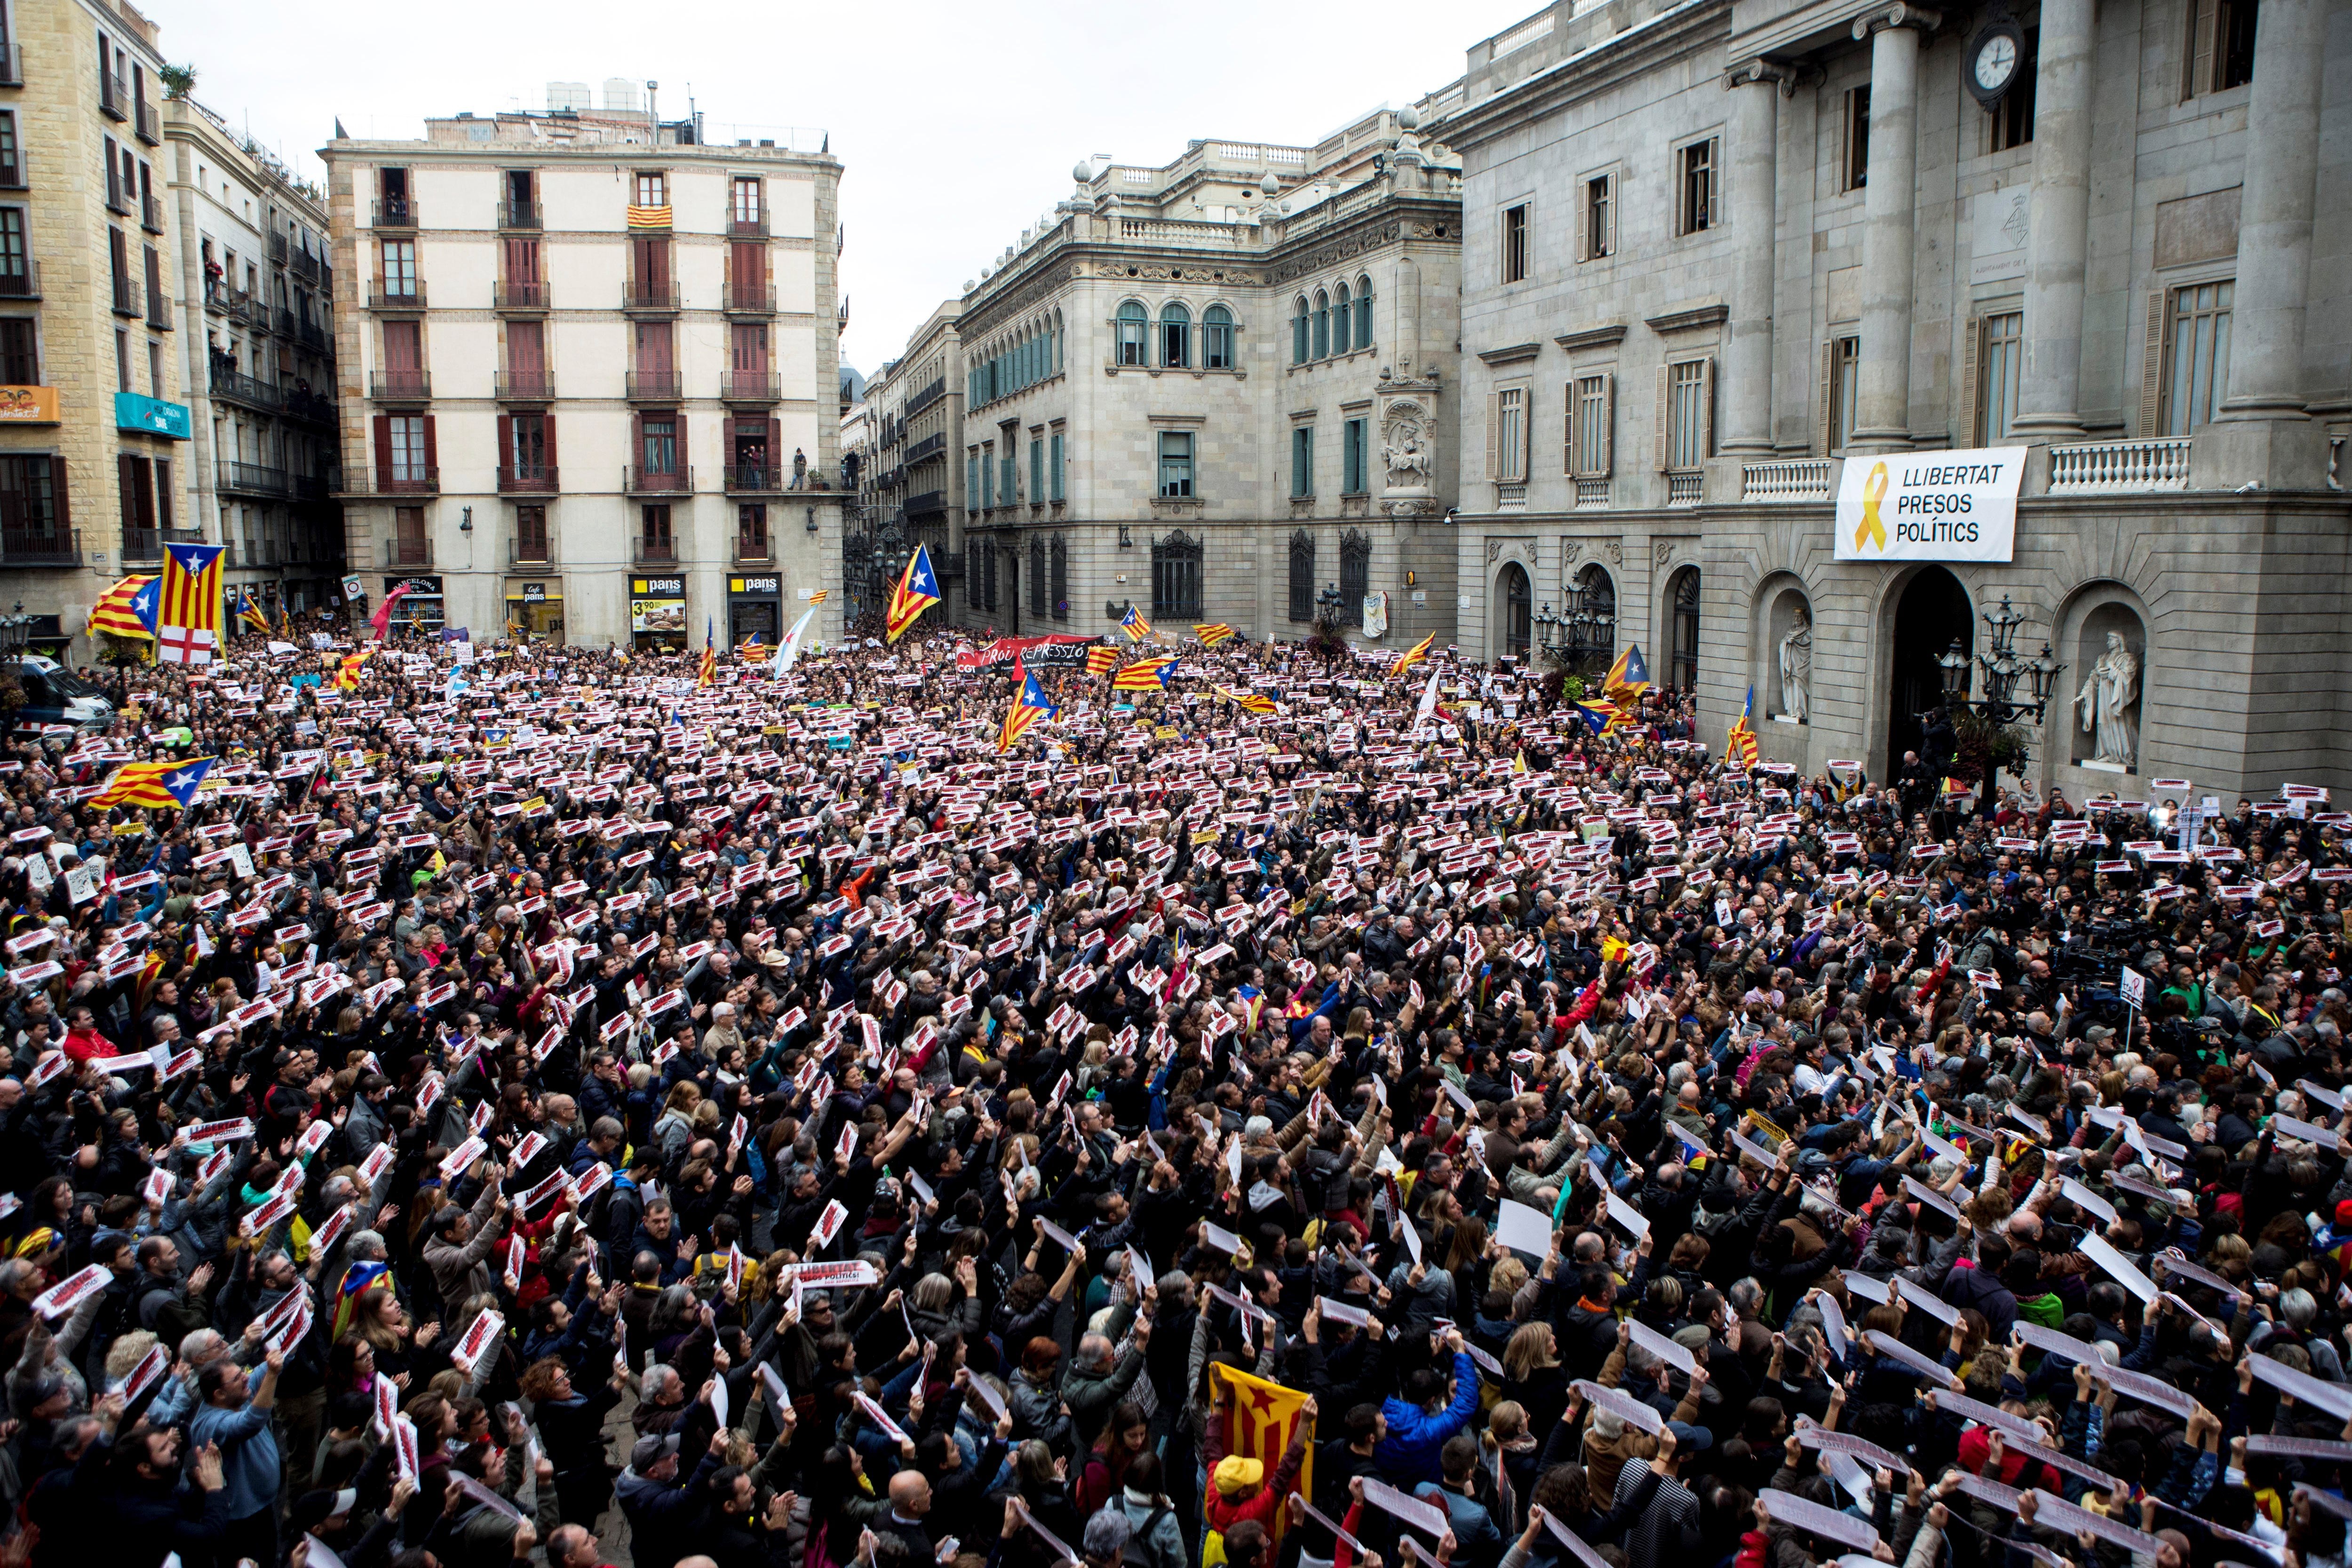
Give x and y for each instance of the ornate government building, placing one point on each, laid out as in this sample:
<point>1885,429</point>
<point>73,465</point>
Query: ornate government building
<point>1734,269</point>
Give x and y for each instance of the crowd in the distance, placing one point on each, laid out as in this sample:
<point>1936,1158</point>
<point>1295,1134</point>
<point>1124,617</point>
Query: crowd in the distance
<point>542,1109</point>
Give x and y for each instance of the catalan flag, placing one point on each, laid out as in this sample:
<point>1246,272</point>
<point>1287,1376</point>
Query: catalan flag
<point>250,613</point>
<point>1248,701</point>
<point>347,674</point>
<point>1629,677</point>
<point>1740,745</point>
<point>1413,655</point>
<point>1133,624</point>
<point>1029,706</point>
<point>1213,634</point>
<point>285,620</point>
<point>649,216</point>
<point>918,590</point>
<point>1101,660</point>
<point>815,598</point>
<point>188,620</point>
<point>706,669</point>
<point>162,785</point>
<point>751,648</point>
<point>1145,675</point>
<point>128,609</point>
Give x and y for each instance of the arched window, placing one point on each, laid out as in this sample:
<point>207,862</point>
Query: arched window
<point>1133,325</point>
<point>1302,576</point>
<point>1037,574</point>
<point>1322,324</point>
<point>1299,329</point>
<point>1175,336</point>
<point>1176,577</point>
<point>1057,343</point>
<point>1060,584</point>
<point>1363,312</point>
<point>1682,668</point>
<point>1340,319</point>
<point>1355,569</point>
<point>1516,608</point>
<point>1217,337</point>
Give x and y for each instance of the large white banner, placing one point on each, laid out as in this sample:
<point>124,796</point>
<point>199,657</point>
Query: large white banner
<point>1930,506</point>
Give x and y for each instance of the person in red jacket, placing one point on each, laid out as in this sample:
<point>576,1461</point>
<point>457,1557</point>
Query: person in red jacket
<point>1236,1489</point>
<point>84,1043</point>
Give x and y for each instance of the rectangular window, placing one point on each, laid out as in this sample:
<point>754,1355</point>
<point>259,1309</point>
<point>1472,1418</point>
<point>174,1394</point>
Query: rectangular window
<point>987,476</point>
<point>527,445</point>
<point>1600,216</point>
<point>118,255</point>
<point>2197,355</point>
<point>1176,583</point>
<point>32,503</point>
<point>751,532</point>
<point>1845,374</point>
<point>1514,244</point>
<point>1302,459</point>
<point>1353,437</point>
<point>392,196</point>
<point>407,448</point>
<point>1007,483</point>
<point>1697,169</point>
<point>1589,431</point>
<point>971,480</point>
<point>656,542</point>
<point>400,269</point>
<point>1055,460</point>
<point>2000,362</point>
<point>745,207</point>
<point>1686,414</point>
<point>15,258</point>
<point>1175,465</point>
<point>114,199</point>
<point>1853,173</point>
<point>1511,435</point>
<point>1036,468</point>
<point>122,361</point>
<point>2012,120</point>
<point>20,354</point>
<point>657,446</point>
<point>2220,47</point>
<point>653,190</point>
<point>530,533</point>
<point>155,370</point>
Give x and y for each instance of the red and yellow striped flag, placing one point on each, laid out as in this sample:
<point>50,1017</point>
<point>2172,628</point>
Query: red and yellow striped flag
<point>1102,659</point>
<point>649,216</point>
<point>1259,1418</point>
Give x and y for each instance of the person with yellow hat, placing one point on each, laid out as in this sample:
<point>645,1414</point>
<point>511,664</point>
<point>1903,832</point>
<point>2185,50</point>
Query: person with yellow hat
<point>1237,1492</point>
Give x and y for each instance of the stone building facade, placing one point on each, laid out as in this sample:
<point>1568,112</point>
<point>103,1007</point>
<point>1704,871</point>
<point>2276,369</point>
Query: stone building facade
<point>1725,260</point>
<point>256,336</point>
<point>669,306</point>
<point>914,494</point>
<point>94,421</point>
<point>1218,390</point>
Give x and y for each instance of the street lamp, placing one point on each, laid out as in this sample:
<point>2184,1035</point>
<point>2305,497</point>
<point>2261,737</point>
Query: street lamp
<point>2002,668</point>
<point>1328,605</point>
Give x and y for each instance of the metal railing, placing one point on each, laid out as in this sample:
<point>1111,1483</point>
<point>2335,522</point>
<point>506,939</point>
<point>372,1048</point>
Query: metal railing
<point>304,266</point>
<point>147,543</point>
<point>407,551</point>
<point>1685,490</point>
<point>283,320</point>
<point>639,481</point>
<point>151,213</point>
<point>314,337</point>
<point>658,298</point>
<point>2120,467</point>
<point>521,552</point>
<point>113,96</point>
<point>277,247</point>
<point>1785,479</point>
<point>513,214</point>
<point>150,123</point>
<point>530,294</point>
<point>397,297</point>
<point>927,502</point>
<point>12,171</point>
<point>929,445</point>
<point>752,227</point>
<point>393,212</point>
<point>754,551</point>
<point>252,479</point>
<point>525,385</point>
<point>1511,498</point>
<point>753,478</point>
<point>39,547</point>
<point>750,300</point>
<point>24,283</point>
<point>653,386</point>
<point>311,407</point>
<point>118,199</point>
<point>401,385</point>
<point>643,550</point>
<point>318,486</point>
<point>239,387</point>
<point>751,386</point>
<point>416,480</point>
<point>12,65</point>
<point>527,478</point>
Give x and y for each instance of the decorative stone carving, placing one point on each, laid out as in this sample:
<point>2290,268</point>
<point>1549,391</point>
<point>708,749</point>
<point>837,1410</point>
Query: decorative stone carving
<point>1401,507</point>
<point>2109,702</point>
<point>1404,445</point>
<point>1665,551</point>
<point>1615,550</point>
<point>1570,549</point>
<point>1494,551</point>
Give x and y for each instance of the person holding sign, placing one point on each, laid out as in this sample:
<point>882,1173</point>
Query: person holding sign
<point>233,1416</point>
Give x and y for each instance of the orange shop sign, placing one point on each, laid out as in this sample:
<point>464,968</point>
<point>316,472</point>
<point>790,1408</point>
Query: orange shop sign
<point>28,406</point>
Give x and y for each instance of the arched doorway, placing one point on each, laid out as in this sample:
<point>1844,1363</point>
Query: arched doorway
<point>1518,614</point>
<point>1682,657</point>
<point>1932,613</point>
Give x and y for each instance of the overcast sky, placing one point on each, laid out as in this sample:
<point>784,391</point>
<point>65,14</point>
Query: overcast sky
<point>955,127</point>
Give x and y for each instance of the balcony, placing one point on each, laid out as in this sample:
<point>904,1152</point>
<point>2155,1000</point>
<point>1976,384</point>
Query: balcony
<point>415,480</point>
<point>637,482</point>
<point>305,266</point>
<point>239,387</point>
<point>283,320</point>
<point>408,552</point>
<point>311,408</point>
<point>39,547</point>
<point>655,299</point>
<point>754,551</point>
<point>930,446</point>
<point>528,297</point>
<point>527,480</point>
<point>147,543</point>
<point>654,387</point>
<point>12,65</point>
<point>645,551</point>
<point>525,386</point>
<point>1592,495</point>
<point>314,337</point>
<point>754,226</point>
<point>1685,490</point>
<point>2120,467</point>
<point>1785,479</point>
<point>513,214</point>
<point>531,554</point>
<point>318,486</point>
<point>750,386</point>
<point>927,503</point>
<point>394,212</point>
<point>25,283</point>
<point>113,96</point>
<point>750,300</point>
<point>1511,498</point>
<point>753,478</point>
<point>150,124</point>
<point>11,172</point>
<point>398,297</point>
<point>401,385</point>
<point>118,200</point>
<point>278,249</point>
<point>252,479</point>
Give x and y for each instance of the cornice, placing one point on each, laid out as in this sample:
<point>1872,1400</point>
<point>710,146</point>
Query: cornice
<point>1515,354</point>
<point>1637,49</point>
<point>1593,337</point>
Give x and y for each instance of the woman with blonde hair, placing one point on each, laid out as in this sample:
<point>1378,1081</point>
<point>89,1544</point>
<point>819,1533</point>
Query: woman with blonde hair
<point>674,1128</point>
<point>1533,1377</point>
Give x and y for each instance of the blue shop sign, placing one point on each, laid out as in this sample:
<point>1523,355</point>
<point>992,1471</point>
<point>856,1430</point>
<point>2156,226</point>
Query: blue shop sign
<point>150,416</point>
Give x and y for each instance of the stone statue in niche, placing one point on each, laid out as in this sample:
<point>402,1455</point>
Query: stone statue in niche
<point>1405,445</point>
<point>2110,693</point>
<point>1797,667</point>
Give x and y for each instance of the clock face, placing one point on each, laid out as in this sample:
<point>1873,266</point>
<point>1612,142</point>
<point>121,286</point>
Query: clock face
<point>1996,62</point>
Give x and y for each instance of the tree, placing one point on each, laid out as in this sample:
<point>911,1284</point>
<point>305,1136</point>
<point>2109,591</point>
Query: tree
<point>178,80</point>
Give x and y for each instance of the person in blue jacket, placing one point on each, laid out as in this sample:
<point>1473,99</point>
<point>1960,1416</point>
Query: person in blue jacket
<point>1435,1408</point>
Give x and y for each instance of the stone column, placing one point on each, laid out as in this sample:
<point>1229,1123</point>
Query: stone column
<point>2274,221</point>
<point>2058,225</point>
<point>1882,401</point>
<point>1752,137</point>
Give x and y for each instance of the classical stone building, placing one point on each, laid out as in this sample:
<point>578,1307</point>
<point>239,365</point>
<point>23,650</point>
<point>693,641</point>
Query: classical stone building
<point>1215,390</point>
<point>257,340</point>
<point>670,305</point>
<point>93,418</point>
<point>1728,264</point>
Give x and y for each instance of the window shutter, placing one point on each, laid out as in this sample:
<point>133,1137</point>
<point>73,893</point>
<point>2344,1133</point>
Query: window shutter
<point>1608,425</point>
<point>1661,434</point>
<point>1493,419</point>
<point>1829,395</point>
<point>432,450</point>
<point>684,468</point>
<point>727,443</point>
<point>546,423</point>
<point>2202,20</point>
<point>1719,188</point>
<point>126,467</point>
<point>164,492</point>
<point>1584,236</point>
<point>383,449</point>
<point>1567,431</point>
<point>2151,367</point>
<point>1706,408</point>
<point>64,497</point>
<point>1971,398</point>
<point>636,441</point>
<point>775,459</point>
<point>506,440</point>
<point>1841,164</point>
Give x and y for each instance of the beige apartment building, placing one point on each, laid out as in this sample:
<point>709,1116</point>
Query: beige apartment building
<point>668,306</point>
<point>94,424</point>
<point>1220,389</point>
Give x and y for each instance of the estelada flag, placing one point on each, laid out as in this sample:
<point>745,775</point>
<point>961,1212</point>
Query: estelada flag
<point>1259,1418</point>
<point>128,609</point>
<point>918,590</point>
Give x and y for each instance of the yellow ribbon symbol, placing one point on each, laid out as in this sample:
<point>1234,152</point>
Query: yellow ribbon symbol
<point>1873,491</point>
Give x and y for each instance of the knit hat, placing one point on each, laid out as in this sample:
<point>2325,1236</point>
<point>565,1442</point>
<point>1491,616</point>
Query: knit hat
<point>1236,1474</point>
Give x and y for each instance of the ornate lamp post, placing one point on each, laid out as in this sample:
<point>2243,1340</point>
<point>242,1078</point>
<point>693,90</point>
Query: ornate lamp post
<point>2002,668</point>
<point>1328,604</point>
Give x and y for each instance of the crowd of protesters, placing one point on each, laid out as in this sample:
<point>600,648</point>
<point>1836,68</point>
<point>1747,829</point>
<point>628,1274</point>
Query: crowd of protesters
<point>549,1108</point>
